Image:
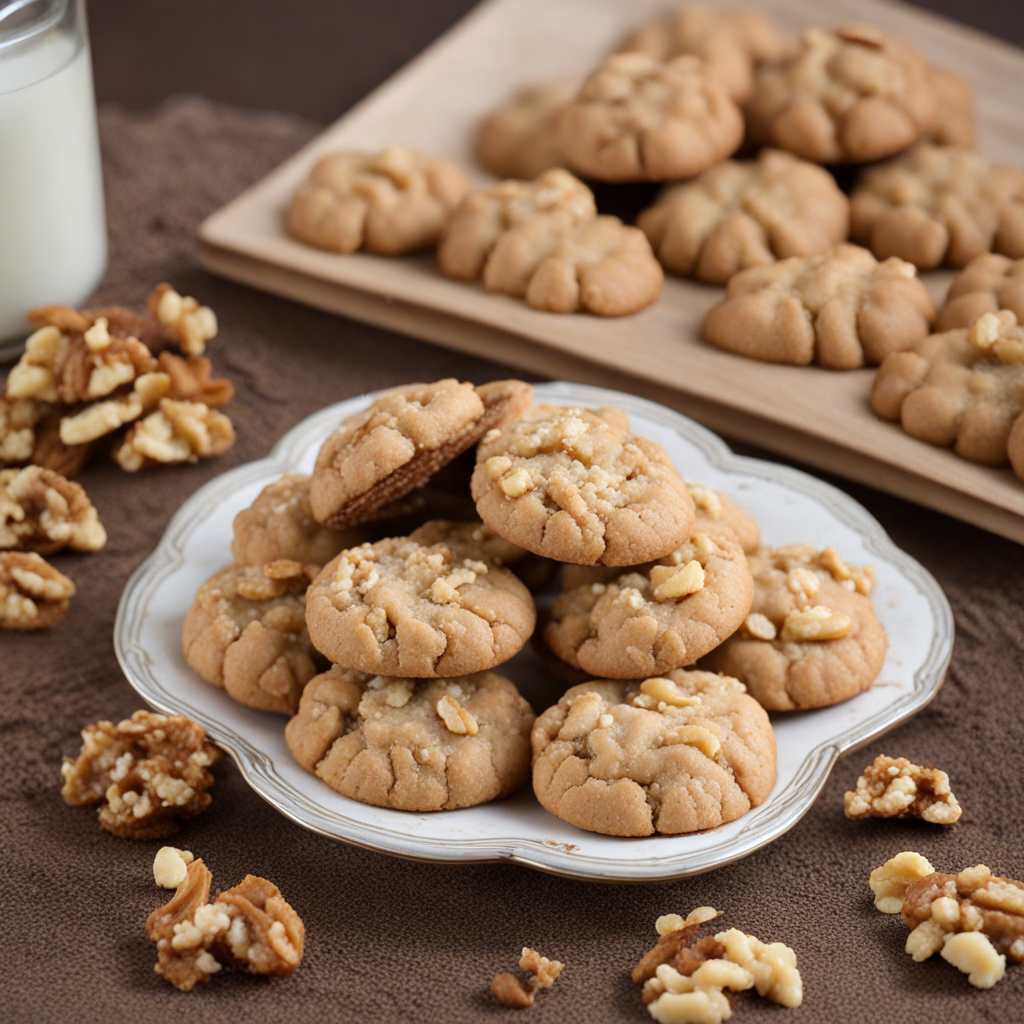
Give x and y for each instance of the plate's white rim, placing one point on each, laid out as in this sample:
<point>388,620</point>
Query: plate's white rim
<point>788,807</point>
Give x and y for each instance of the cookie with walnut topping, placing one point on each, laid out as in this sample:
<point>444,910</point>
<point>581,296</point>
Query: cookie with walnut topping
<point>577,485</point>
<point>246,633</point>
<point>812,638</point>
<point>413,745</point>
<point>656,618</point>
<point>673,754</point>
<point>418,610</point>
<point>398,442</point>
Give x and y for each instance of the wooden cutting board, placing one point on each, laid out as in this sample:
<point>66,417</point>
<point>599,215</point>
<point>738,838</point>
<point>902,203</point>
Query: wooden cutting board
<point>435,103</point>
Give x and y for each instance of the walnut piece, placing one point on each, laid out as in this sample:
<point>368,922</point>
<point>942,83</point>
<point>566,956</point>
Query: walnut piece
<point>890,882</point>
<point>41,511</point>
<point>149,773</point>
<point>191,324</point>
<point>191,380</point>
<point>102,418</point>
<point>179,431</point>
<point>33,595</point>
<point>517,994</point>
<point>170,866</point>
<point>898,788</point>
<point>18,420</point>
<point>974,954</point>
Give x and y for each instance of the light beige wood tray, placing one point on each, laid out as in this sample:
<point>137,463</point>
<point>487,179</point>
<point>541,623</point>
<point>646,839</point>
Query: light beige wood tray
<point>434,104</point>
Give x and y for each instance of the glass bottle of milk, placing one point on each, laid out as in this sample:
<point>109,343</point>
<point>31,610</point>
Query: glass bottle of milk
<point>53,234</point>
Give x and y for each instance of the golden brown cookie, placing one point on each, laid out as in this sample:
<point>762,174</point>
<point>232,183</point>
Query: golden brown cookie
<point>394,445</point>
<point>987,284</point>
<point>33,595</point>
<point>577,485</point>
<point>638,119</point>
<point>848,95</point>
<point>413,745</point>
<point>246,633</point>
<point>674,754</point>
<point>963,388</point>
<point>841,309</point>
<point>731,44</point>
<point>955,126</point>
<point>939,204</point>
<point>520,140</point>
<point>745,214</point>
<point>41,511</point>
<point>391,202</point>
<point>280,524</point>
<point>812,638</point>
<point>653,621</point>
<point>399,607</point>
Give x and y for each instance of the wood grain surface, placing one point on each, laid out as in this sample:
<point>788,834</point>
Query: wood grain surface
<point>435,102</point>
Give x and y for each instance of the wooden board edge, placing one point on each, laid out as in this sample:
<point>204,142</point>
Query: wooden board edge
<point>513,349</point>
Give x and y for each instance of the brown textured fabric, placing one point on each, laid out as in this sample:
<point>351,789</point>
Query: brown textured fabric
<point>390,940</point>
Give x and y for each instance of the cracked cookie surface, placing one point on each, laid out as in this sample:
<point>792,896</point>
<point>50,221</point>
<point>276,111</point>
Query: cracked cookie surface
<point>658,619</point>
<point>410,744</point>
<point>812,638</point>
<point>987,284</point>
<point>246,633</point>
<point>577,486</point>
<point>840,309</point>
<point>403,608</point>
<point>674,754</point>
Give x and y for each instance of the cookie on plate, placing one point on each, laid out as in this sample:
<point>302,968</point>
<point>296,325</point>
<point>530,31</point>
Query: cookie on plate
<point>394,445</point>
<point>416,610</point>
<point>731,44</point>
<point>520,140</point>
<point>577,485</point>
<point>812,638</point>
<point>639,119</point>
<point>246,633</point>
<point>963,388</point>
<point>391,202</point>
<point>841,309</point>
<point>280,524</point>
<point>939,205</point>
<point>413,745</point>
<point>742,214</point>
<point>652,621</point>
<point>672,754</point>
<point>987,284</point>
<point>847,96</point>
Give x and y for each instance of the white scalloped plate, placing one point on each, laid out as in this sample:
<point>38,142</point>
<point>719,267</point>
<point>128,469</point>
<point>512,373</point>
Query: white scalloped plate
<point>790,506</point>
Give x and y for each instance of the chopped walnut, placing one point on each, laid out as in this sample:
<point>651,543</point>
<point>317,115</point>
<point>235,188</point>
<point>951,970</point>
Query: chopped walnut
<point>890,882</point>
<point>191,380</point>
<point>974,954</point>
<point>35,374</point>
<point>149,773</point>
<point>455,717</point>
<point>50,452</point>
<point>192,324</point>
<point>102,418</point>
<point>673,947</point>
<point>170,865</point>
<point>517,994</point>
<point>178,432</point>
<point>41,511</point>
<point>897,788</point>
<point>818,622</point>
<point>671,582</point>
<point>18,420</point>
<point>33,595</point>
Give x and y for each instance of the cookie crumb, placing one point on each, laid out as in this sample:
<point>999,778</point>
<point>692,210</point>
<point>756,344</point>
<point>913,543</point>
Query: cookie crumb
<point>517,994</point>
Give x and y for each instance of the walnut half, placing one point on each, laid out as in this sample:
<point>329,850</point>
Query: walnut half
<point>893,787</point>
<point>33,595</point>
<point>516,994</point>
<point>41,511</point>
<point>179,431</point>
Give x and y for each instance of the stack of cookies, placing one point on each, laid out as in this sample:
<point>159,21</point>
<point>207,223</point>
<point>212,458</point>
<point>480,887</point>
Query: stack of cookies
<point>380,629</point>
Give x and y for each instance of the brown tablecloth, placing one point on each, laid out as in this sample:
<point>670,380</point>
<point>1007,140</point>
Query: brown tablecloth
<point>394,940</point>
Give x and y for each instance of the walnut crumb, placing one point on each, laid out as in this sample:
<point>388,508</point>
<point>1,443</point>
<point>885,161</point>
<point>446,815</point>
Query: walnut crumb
<point>898,788</point>
<point>517,994</point>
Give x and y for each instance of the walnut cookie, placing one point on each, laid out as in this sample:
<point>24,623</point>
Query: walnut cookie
<point>391,202</point>
<point>963,388</point>
<point>742,214</point>
<point>413,745</point>
<point>246,633</point>
<point>399,441</point>
<point>812,638</point>
<point>577,486</point>
<point>668,616</point>
<point>408,609</point>
<point>987,284</point>
<point>731,44</point>
<point>672,754</point>
<point>543,241</point>
<point>939,205</point>
<point>840,309</point>
<point>849,95</point>
<point>638,119</point>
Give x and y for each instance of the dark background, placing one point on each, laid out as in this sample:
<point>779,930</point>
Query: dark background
<point>315,57</point>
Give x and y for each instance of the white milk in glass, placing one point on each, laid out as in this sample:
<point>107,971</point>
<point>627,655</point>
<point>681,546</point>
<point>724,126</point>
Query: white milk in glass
<point>53,235</point>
